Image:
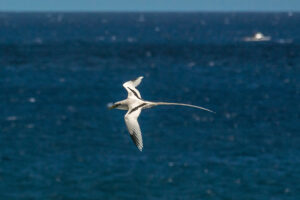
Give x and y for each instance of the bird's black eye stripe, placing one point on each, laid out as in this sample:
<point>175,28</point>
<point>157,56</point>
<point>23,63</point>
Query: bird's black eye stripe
<point>134,93</point>
<point>137,107</point>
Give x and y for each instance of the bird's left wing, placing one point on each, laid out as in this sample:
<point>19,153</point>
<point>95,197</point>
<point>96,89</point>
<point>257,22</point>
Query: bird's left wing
<point>133,126</point>
<point>130,86</point>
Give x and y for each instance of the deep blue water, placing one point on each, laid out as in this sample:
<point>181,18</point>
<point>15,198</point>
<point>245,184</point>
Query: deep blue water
<point>59,71</point>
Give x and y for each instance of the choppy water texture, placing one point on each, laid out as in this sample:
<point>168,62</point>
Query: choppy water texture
<point>58,140</point>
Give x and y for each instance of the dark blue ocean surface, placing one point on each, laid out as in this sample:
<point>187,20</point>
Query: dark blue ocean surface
<point>58,72</point>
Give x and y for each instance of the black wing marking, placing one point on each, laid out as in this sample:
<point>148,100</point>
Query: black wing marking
<point>135,94</point>
<point>137,107</point>
<point>135,139</point>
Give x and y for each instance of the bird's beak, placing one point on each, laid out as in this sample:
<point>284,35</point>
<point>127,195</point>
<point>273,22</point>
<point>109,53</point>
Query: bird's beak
<point>112,107</point>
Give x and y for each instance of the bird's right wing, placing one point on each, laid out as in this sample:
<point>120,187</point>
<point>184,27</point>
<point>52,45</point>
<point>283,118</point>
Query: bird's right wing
<point>134,127</point>
<point>130,86</point>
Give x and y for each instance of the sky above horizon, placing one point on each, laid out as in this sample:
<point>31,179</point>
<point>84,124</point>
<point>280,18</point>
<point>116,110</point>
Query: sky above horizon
<point>153,5</point>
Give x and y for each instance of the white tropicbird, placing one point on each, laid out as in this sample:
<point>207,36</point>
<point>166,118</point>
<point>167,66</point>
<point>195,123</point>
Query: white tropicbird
<point>134,104</point>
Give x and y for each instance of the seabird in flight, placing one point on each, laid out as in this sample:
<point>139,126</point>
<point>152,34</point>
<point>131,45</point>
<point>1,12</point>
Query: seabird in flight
<point>135,104</point>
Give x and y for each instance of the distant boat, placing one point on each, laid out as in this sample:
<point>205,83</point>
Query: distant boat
<point>258,37</point>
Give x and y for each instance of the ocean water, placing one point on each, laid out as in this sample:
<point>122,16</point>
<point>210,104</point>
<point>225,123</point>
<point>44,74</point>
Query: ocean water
<point>58,72</point>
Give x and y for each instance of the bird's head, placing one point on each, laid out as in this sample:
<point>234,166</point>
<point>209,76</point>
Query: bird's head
<point>113,105</point>
<point>118,105</point>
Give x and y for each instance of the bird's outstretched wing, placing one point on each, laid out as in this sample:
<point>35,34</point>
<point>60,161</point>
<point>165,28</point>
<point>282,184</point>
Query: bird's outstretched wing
<point>130,86</point>
<point>134,127</point>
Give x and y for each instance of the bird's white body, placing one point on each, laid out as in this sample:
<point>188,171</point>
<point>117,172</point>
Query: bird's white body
<point>135,104</point>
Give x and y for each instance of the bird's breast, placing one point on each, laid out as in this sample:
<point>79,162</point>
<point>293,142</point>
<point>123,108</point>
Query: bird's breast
<point>134,102</point>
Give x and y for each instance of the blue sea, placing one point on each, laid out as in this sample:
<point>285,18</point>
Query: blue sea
<point>59,71</point>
